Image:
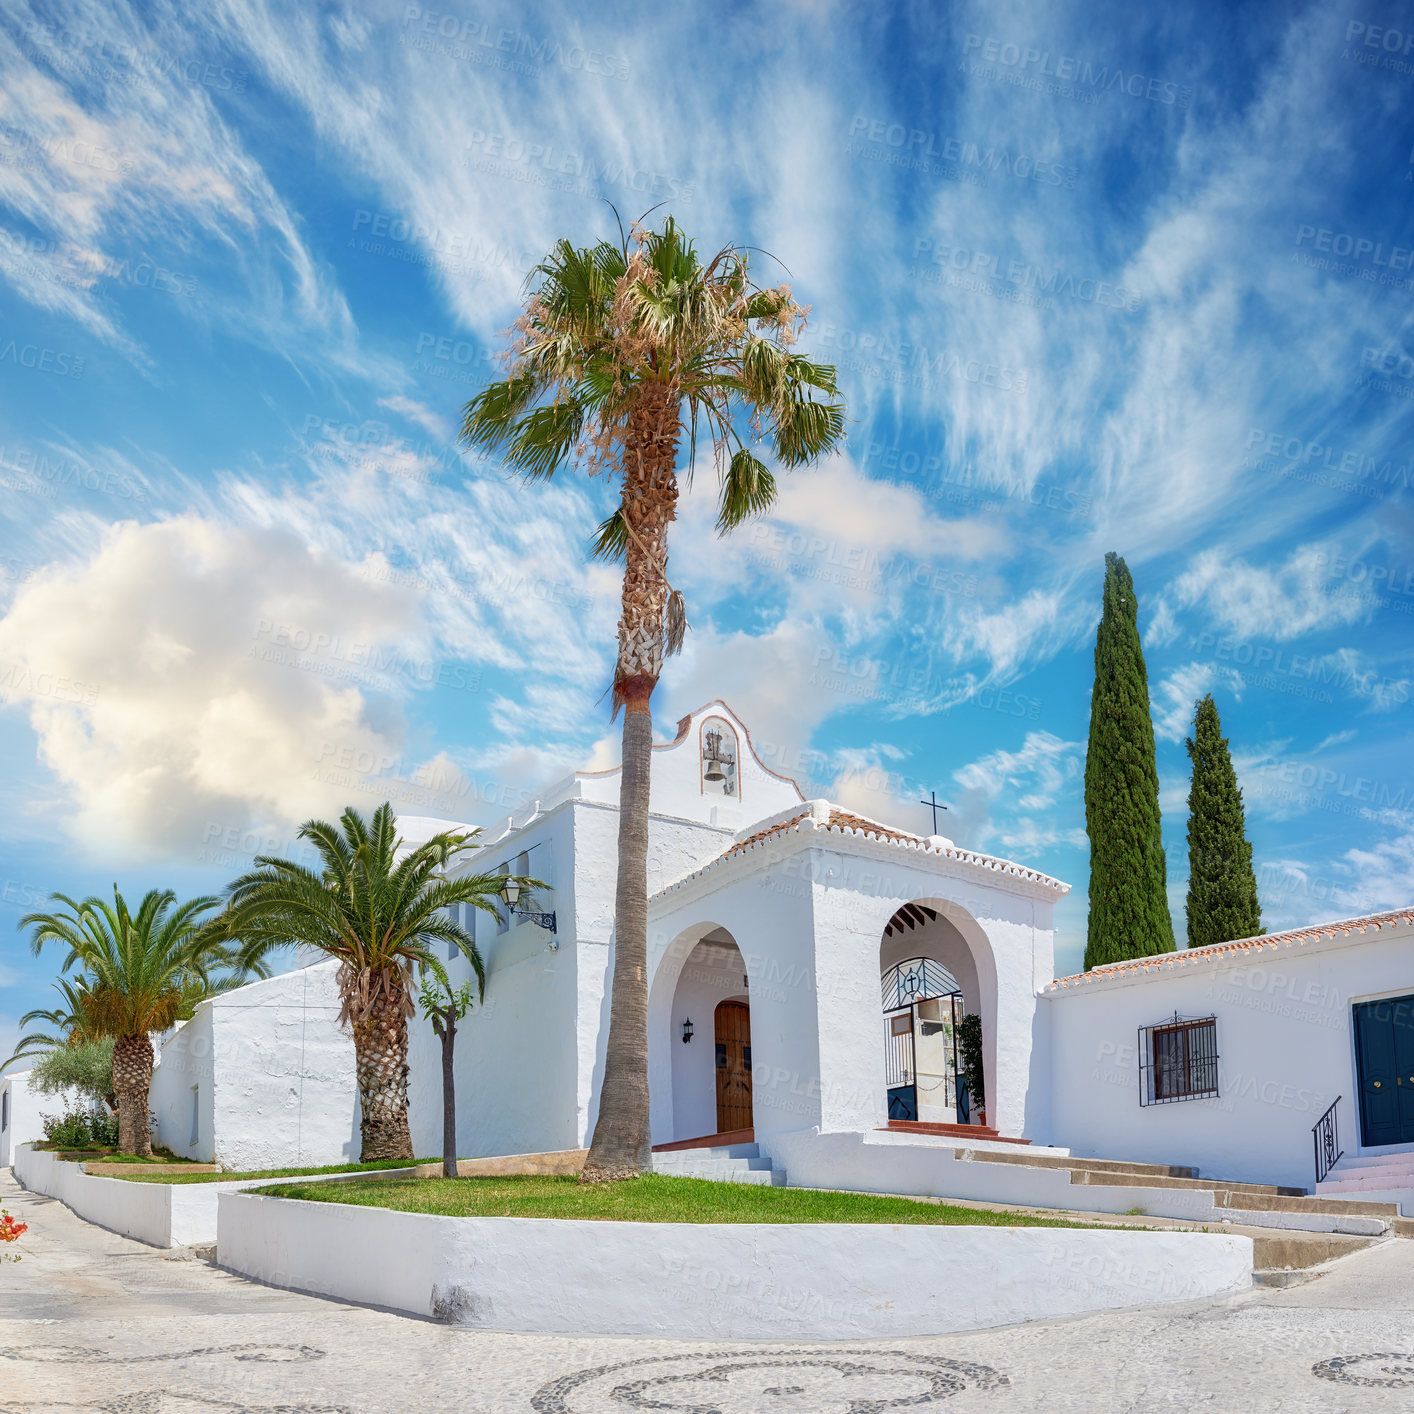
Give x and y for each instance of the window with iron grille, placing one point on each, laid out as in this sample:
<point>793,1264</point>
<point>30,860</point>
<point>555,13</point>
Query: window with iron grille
<point>1178,1060</point>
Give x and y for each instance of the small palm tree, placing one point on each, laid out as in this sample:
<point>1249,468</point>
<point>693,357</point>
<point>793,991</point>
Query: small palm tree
<point>377,914</point>
<point>143,972</point>
<point>622,350</point>
<point>70,1022</point>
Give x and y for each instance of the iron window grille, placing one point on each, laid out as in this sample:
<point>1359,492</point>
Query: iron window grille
<point>1178,1060</point>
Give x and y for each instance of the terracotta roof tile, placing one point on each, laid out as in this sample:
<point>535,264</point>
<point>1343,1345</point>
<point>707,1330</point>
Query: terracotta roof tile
<point>846,822</point>
<point>1192,957</point>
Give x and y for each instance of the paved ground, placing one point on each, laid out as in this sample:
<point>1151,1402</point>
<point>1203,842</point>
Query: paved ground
<point>92,1321</point>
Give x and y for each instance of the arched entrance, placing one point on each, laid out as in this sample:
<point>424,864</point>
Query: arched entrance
<point>931,979</point>
<point>922,1010</point>
<point>703,1036</point>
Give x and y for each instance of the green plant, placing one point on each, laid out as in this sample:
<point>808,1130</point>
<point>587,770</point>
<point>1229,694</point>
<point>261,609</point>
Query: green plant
<point>71,1130</point>
<point>444,1008</point>
<point>85,1066</point>
<point>1222,886</point>
<point>104,1129</point>
<point>622,352</point>
<point>143,971</point>
<point>969,1047</point>
<point>376,908</point>
<point>1129,910</point>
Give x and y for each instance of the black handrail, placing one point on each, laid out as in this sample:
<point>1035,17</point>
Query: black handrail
<point>1326,1138</point>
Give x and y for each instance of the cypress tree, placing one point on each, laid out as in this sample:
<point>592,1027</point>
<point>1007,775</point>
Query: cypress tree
<point>1222,887</point>
<point>1129,910</point>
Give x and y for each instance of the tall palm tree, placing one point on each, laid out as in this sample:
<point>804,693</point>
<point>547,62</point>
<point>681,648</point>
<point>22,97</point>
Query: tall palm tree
<point>144,971</point>
<point>377,914</point>
<point>621,350</point>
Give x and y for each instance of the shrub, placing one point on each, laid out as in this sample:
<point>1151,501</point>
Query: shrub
<point>969,1045</point>
<point>80,1129</point>
<point>86,1066</point>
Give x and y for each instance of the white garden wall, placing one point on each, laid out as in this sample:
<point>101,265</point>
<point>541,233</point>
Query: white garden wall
<point>162,1214</point>
<point>1285,1045</point>
<point>754,1281</point>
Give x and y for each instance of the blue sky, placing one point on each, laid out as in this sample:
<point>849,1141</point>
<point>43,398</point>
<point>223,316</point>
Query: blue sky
<point>1095,277</point>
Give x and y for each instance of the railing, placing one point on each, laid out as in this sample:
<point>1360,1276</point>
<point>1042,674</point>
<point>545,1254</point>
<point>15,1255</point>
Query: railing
<point>1326,1138</point>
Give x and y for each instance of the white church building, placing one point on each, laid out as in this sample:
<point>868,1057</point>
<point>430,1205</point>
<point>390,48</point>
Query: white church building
<point>809,971</point>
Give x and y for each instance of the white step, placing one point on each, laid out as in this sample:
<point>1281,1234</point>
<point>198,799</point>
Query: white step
<point>728,1163</point>
<point>1364,1163</point>
<point>1363,1181</point>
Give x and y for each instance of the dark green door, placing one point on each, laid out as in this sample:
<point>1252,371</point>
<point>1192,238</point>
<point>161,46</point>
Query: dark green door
<point>1384,1052</point>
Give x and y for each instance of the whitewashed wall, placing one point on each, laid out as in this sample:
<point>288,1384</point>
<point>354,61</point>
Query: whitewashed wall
<point>767,1281</point>
<point>25,1108</point>
<point>1285,1044</point>
<point>808,911</point>
<point>273,1072</point>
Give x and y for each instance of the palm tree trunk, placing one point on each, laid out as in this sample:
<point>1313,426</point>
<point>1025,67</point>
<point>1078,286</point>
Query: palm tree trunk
<point>380,1037</point>
<point>622,1144</point>
<point>132,1079</point>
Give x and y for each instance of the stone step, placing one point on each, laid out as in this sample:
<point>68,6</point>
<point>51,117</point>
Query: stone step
<point>1081,1174</point>
<point>1243,1201</point>
<point>1296,1251</point>
<point>1064,1161</point>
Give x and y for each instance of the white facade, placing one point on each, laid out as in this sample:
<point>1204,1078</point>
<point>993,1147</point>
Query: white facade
<point>261,1077</point>
<point>20,1113</point>
<point>784,914</point>
<point>1283,1008</point>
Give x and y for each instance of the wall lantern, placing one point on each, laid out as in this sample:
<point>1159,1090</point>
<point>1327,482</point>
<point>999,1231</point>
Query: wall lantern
<point>510,894</point>
<point>687,1031</point>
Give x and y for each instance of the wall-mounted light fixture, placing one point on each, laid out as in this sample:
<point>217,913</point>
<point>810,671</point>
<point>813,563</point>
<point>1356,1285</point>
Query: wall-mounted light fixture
<point>687,1031</point>
<point>510,895</point>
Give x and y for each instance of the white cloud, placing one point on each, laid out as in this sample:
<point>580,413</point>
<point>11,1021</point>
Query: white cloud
<point>1174,698</point>
<point>1013,800</point>
<point>430,422</point>
<point>1282,601</point>
<point>192,675</point>
<point>130,171</point>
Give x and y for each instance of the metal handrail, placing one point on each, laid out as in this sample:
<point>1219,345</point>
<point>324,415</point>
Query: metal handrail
<point>1325,1136</point>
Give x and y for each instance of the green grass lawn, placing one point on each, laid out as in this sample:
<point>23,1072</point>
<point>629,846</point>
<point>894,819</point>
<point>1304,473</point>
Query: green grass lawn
<point>654,1198</point>
<point>271,1173</point>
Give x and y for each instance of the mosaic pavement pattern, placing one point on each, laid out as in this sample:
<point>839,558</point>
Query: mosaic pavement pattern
<point>90,1321</point>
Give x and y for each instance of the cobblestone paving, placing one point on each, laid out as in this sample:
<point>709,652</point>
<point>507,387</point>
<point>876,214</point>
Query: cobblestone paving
<point>91,1321</point>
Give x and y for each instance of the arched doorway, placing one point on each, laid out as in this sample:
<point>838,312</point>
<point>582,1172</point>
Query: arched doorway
<point>700,1029</point>
<point>923,1008</point>
<point>931,978</point>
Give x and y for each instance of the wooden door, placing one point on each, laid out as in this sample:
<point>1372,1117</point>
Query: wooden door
<point>733,1034</point>
<point>1384,1048</point>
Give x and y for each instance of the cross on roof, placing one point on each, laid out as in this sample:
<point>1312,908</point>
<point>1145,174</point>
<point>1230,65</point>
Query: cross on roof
<point>932,804</point>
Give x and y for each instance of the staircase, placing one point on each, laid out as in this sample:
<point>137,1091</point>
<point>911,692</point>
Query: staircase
<point>1387,1177</point>
<point>724,1163</point>
<point>1170,1190</point>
